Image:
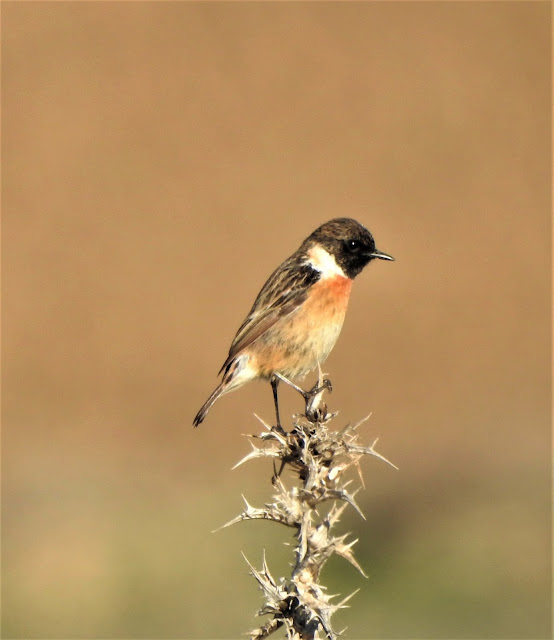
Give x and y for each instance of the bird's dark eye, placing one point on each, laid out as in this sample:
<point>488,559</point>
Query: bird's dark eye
<point>353,246</point>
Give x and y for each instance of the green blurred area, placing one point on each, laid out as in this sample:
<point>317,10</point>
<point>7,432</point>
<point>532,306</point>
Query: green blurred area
<point>159,161</point>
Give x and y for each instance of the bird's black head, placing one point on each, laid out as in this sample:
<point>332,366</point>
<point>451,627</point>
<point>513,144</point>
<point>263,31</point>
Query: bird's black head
<point>348,242</point>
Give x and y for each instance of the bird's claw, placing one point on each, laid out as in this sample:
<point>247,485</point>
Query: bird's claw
<point>279,429</point>
<point>317,389</point>
<point>315,410</point>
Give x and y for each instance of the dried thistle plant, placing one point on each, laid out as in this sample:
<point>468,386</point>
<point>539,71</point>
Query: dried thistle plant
<point>318,458</point>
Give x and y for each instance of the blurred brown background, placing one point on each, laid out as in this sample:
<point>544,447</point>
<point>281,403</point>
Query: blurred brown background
<point>159,161</point>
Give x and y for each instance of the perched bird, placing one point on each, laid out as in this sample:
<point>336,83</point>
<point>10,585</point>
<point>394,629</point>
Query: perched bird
<point>298,314</point>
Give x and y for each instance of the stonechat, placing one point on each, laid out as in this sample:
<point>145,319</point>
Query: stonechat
<point>298,314</point>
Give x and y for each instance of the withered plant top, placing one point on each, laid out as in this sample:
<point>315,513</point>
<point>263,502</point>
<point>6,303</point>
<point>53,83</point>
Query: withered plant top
<point>318,458</point>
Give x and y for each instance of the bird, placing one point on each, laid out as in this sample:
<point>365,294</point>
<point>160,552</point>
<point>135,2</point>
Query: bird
<point>298,314</point>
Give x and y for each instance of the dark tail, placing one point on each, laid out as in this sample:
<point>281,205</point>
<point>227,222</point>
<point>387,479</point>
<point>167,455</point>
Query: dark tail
<point>208,405</point>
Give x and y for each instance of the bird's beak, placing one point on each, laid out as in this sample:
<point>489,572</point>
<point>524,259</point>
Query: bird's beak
<point>380,255</point>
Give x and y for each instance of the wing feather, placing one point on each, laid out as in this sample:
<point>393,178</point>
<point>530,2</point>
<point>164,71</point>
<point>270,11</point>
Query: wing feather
<point>284,291</point>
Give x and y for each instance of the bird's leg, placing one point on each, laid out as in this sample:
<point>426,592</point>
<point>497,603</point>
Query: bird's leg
<point>316,410</point>
<point>274,384</point>
<point>278,376</point>
<point>311,398</point>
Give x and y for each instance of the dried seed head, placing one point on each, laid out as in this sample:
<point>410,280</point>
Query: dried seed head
<point>319,458</point>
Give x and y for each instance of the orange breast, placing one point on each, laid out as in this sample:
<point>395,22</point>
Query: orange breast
<point>329,296</point>
<point>297,342</point>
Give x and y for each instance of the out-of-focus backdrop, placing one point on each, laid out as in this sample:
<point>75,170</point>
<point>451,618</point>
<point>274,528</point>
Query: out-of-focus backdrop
<point>159,161</point>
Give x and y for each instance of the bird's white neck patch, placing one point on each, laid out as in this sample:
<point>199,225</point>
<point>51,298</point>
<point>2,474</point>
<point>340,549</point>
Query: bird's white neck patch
<point>324,262</point>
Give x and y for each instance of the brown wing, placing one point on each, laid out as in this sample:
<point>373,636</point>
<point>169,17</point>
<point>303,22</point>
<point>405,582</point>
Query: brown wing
<point>285,290</point>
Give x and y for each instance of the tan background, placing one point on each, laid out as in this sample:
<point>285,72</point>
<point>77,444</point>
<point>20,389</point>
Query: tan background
<point>159,160</point>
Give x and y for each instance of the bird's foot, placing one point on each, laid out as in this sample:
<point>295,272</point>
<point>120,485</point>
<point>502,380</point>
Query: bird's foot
<point>277,428</point>
<point>316,410</point>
